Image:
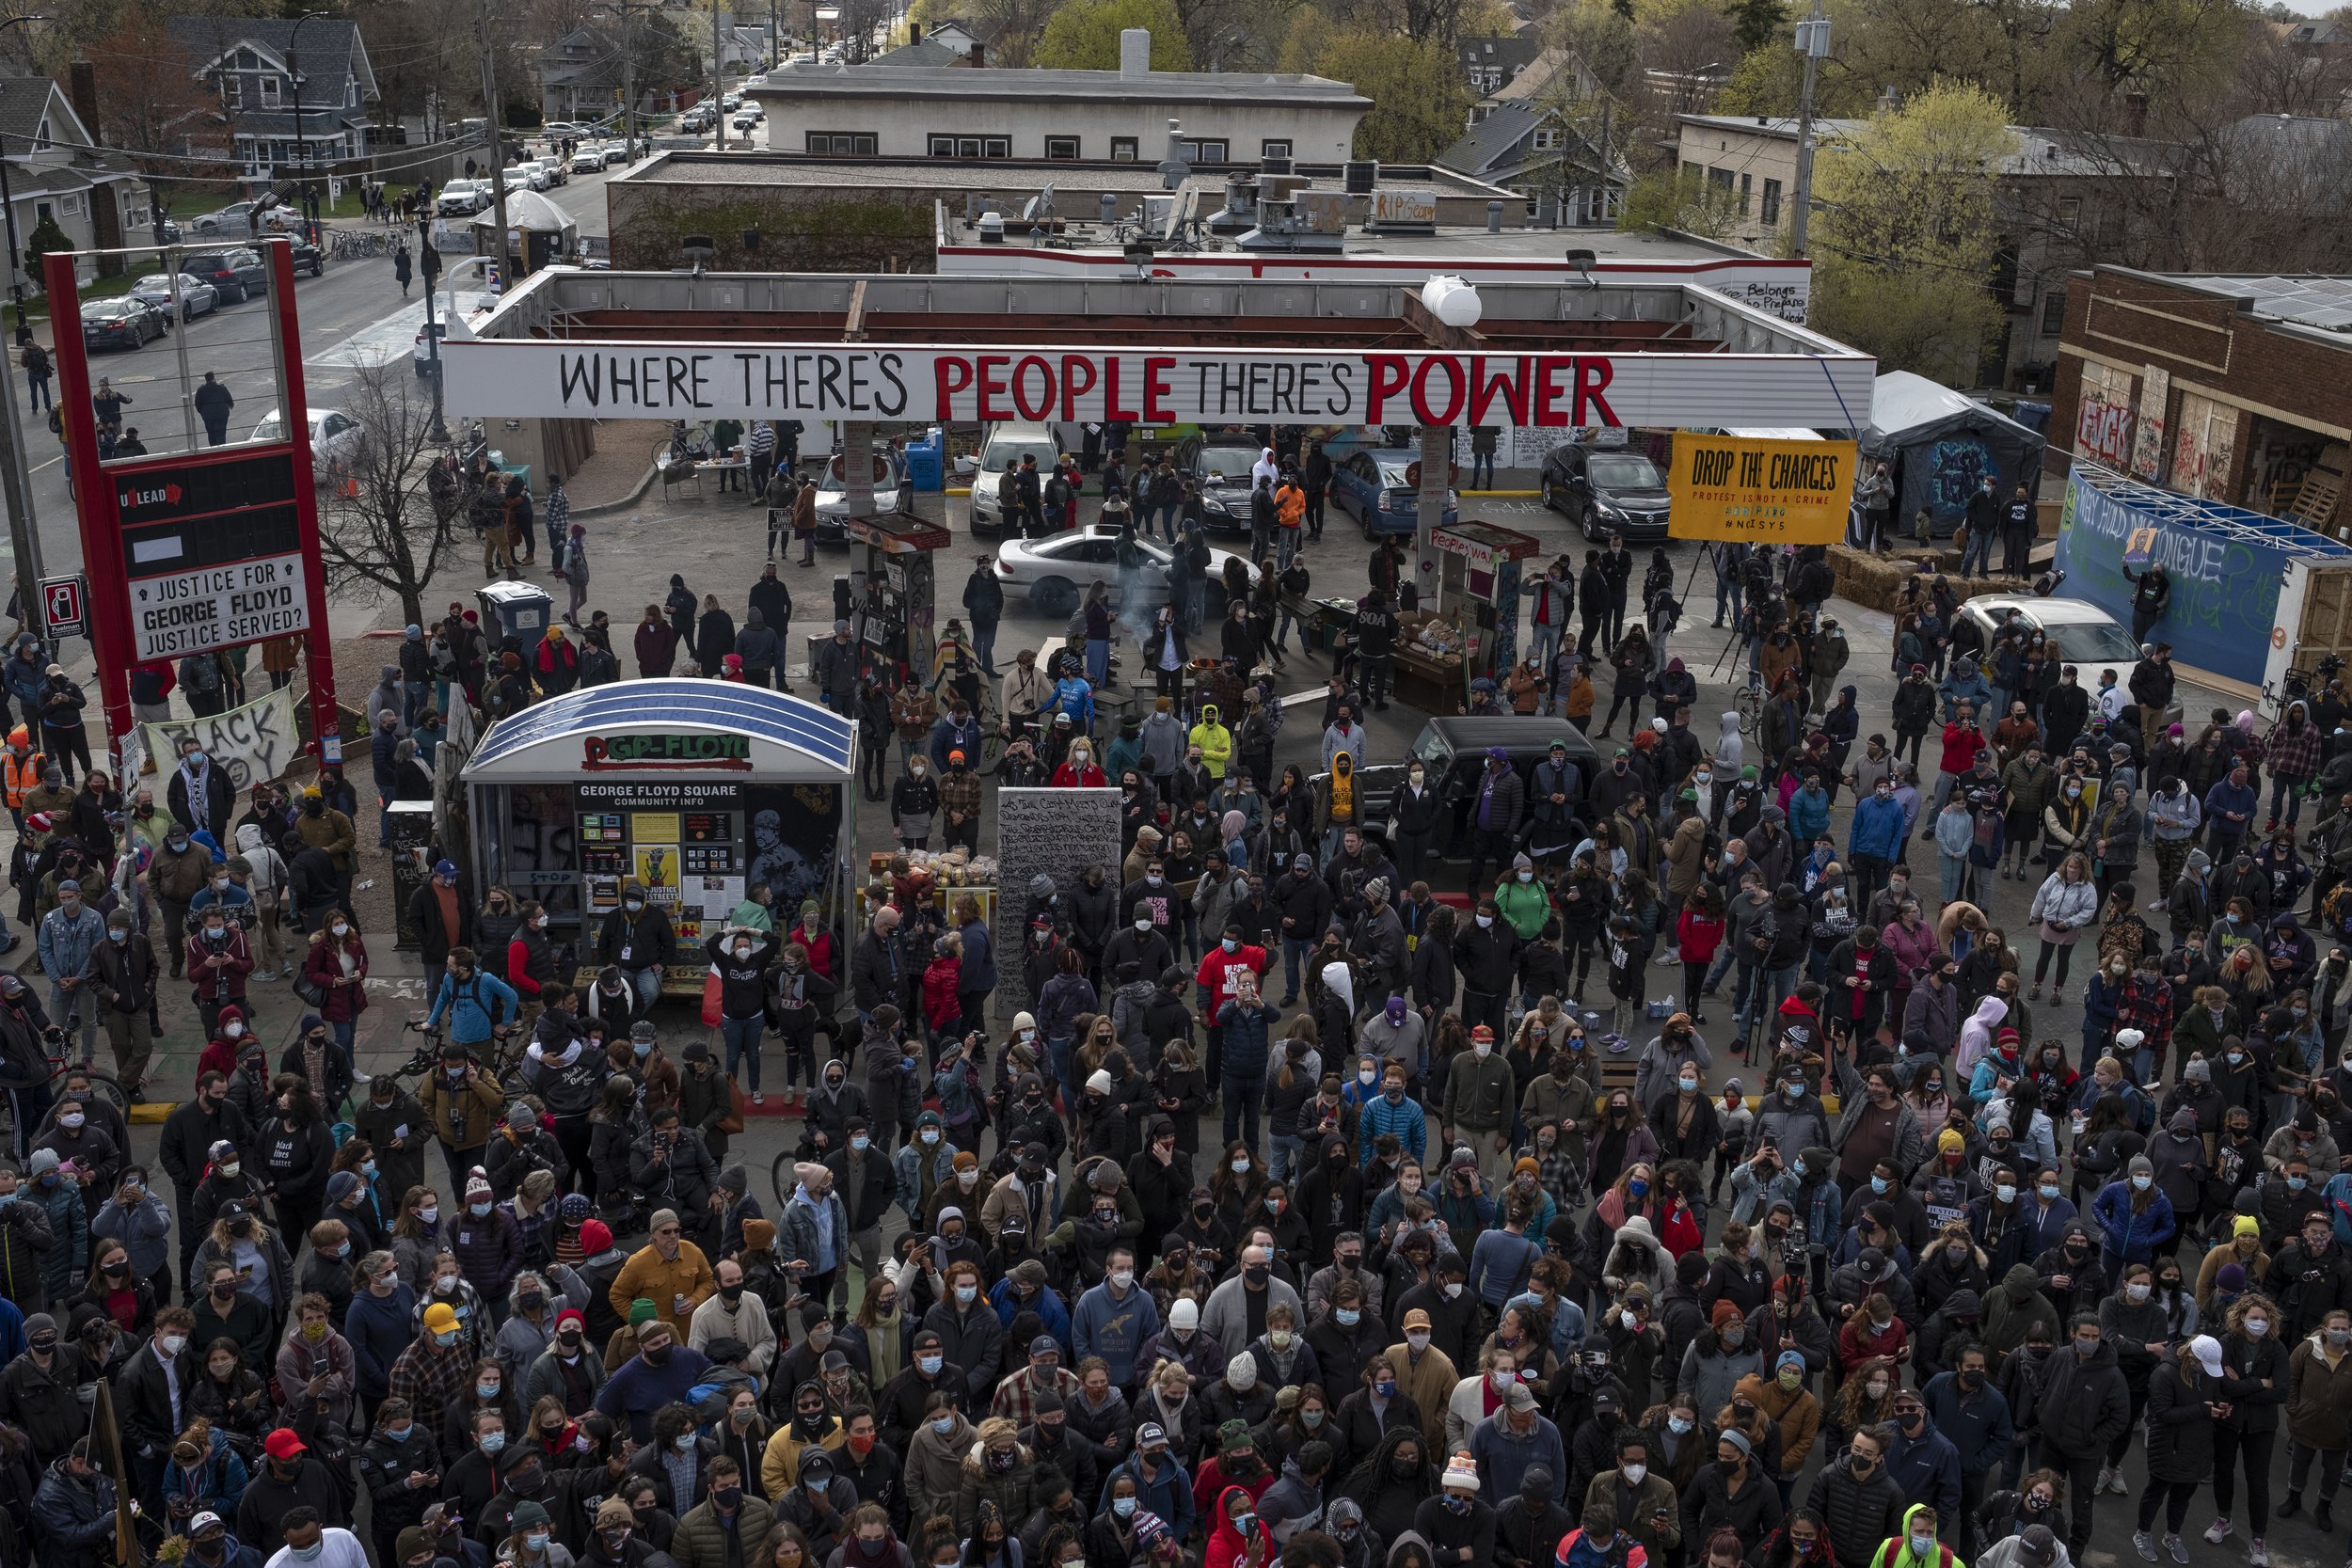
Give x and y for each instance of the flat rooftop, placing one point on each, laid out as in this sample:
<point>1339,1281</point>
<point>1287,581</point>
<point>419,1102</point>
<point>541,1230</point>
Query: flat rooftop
<point>1287,89</point>
<point>1076,185</point>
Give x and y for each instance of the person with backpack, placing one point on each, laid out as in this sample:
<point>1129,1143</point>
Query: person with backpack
<point>37,370</point>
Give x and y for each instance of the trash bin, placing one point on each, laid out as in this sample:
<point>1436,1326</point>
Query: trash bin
<point>926,461</point>
<point>518,609</point>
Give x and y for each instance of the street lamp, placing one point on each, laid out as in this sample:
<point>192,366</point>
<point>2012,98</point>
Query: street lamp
<point>294,69</point>
<point>429,263</point>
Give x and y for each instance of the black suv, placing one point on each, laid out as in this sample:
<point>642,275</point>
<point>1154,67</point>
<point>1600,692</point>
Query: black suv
<point>1607,490</point>
<point>308,256</point>
<point>238,274</point>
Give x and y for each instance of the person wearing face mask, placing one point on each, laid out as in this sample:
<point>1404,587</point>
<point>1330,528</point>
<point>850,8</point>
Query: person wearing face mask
<point>2085,1406</point>
<point>638,940</point>
<point>1458,1524</point>
<point>728,1526</point>
<point>290,1492</point>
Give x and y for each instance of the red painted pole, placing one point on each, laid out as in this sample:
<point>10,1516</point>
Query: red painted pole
<point>325,725</point>
<point>95,502</point>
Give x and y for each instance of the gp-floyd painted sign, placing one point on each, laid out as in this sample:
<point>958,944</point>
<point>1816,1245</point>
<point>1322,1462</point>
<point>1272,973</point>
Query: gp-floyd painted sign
<point>547,379</point>
<point>729,753</point>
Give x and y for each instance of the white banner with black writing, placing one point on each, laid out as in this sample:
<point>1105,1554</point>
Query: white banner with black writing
<point>255,742</point>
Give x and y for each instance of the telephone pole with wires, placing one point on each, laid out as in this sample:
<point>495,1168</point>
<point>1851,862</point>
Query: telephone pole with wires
<point>493,112</point>
<point>1813,43</point>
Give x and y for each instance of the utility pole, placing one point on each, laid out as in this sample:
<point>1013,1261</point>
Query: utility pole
<point>718,78</point>
<point>1607,104</point>
<point>1813,43</point>
<point>493,112</point>
<point>629,84</point>
<point>16,483</point>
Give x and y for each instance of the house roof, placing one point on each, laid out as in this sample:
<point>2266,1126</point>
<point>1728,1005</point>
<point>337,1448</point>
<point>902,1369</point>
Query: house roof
<point>1511,54</point>
<point>328,40</point>
<point>1537,76</point>
<point>1030,86</point>
<point>24,103</point>
<point>928,54</point>
<point>2312,301</point>
<point>584,57</point>
<point>1493,139</point>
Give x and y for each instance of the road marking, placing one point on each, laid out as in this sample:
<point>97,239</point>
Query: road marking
<point>386,341</point>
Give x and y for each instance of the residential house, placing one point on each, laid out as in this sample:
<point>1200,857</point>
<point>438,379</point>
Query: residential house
<point>288,93</point>
<point>57,172</point>
<point>1544,131</point>
<point>1489,63</point>
<point>581,76</point>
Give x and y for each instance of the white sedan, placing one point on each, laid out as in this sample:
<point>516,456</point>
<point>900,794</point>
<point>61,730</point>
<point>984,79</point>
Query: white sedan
<point>334,437</point>
<point>1054,571</point>
<point>588,160</point>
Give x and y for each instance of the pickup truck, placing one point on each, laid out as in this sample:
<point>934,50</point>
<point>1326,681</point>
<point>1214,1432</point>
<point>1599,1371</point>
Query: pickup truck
<point>1452,752</point>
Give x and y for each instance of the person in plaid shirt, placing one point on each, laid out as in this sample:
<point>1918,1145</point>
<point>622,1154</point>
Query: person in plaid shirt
<point>2146,1005</point>
<point>559,520</point>
<point>435,1370</point>
<point>1016,1396</point>
<point>2291,753</point>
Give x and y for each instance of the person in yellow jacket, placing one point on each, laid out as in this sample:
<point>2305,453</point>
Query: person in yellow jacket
<point>668,1271</point>
<point>1214,740</point>
<point>812,1427</point>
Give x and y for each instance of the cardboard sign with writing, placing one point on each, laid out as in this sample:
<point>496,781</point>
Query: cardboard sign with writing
<point>1766,492</point>
<point>255,742</point>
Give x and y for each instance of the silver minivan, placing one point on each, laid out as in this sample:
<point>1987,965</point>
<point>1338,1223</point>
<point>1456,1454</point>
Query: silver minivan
<point>1008,441</point>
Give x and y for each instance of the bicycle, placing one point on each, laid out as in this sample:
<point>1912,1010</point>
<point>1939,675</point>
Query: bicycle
<point>1750,701</point>
<point>103,1082</point>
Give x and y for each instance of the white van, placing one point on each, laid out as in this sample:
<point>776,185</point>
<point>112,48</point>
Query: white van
<point>1009,441</point>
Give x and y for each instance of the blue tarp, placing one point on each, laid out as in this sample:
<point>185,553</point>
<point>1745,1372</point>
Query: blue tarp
<point>2226,563</point>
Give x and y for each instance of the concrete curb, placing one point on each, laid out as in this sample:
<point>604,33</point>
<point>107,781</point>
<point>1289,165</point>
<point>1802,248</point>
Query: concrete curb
<point>602,508</point>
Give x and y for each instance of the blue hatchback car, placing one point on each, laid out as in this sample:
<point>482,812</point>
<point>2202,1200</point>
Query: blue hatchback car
<point>1371,487</point>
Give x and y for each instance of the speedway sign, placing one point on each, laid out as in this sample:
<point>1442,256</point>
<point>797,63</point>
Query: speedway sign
<point>541,378</point>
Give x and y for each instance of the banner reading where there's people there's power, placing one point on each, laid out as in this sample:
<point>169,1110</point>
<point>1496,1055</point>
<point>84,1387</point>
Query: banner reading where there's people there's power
<point>1764,492</point>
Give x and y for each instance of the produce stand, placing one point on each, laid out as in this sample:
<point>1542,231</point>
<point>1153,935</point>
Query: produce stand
<point>1430,660</point>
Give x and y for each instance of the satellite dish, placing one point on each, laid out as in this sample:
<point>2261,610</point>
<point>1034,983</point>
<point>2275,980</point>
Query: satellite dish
<point>1028,209</point>
<point>1045,202</point>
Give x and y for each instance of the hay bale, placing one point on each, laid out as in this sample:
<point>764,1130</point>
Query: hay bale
<point>1876,581</point>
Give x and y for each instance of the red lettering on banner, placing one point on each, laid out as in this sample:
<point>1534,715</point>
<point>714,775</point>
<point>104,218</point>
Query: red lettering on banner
<point>992,387</point>
<point>1591,374</point>
<point>1072,389</point>
<point>1113,408</point>
<point>1426,413</point>
<point>950,375</point>
<point>1510,386</point>
<point>1043,408</point>
<point>1155,368</point>
<point>1549,392</point>
<point>1389,375</point>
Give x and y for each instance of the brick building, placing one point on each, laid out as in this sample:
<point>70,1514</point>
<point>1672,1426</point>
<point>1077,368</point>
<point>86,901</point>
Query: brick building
<point>2233,389</point>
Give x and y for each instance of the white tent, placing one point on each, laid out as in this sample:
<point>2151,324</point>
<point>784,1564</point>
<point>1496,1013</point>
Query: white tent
<point>528,211</point>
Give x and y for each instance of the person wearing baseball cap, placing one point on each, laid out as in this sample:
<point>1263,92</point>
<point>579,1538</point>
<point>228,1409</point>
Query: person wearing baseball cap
<point>288,1480</point>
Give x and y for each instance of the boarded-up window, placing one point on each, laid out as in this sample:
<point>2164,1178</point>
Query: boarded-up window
<point>2201,450</point>
<point>2102,426</point>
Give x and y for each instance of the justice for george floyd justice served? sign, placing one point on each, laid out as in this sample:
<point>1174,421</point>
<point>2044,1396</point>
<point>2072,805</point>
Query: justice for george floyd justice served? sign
<point>1764,492</point>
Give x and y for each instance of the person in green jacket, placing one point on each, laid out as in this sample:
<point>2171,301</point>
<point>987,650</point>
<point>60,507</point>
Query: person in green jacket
<point>1917,1545</point>
<point>1522,899</point>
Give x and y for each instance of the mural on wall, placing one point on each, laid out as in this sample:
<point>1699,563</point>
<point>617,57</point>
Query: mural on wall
<point>2226,566</point>
<point>1957,466</point>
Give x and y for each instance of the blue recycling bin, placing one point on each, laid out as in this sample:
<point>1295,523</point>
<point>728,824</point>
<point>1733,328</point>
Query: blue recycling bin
<point>924,461</point>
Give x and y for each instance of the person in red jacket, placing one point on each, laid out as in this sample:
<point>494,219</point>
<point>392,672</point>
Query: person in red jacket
<point>1238,1540</point>
<point>217,961</point>
<point>1699,931</point>
<point>943,1007</point>
<point>220,1052</point>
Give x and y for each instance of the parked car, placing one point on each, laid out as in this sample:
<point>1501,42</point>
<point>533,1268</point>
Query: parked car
<point>731,102</point>
<point>237,274</point>
<point>1054,571</point>
<point>125,322</point>
<point>743,123</point>
<point>615,152</point>
<point>283,219</point>
<point>334,437</point>
<point>1220,465</point>
<point>232,219</point>
<point>308,258</point>
<point>462,199</point>
<point>426,336</point>
<point>556,130</point>
<point>588,160</point>
<point>196,299</point>
<point>2081,632</point>
<point>1378,489</point>
<point>1006,441</point>
<point>532,173</point>
<point>1607,490</point>
<point>833,492</point>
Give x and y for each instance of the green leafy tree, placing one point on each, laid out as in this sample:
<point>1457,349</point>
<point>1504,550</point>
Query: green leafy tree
<point>1757,22</point>
<point>1903,246</point>
<point>46,236</point>
<point>1084,35</point>
<point>1419,99</point>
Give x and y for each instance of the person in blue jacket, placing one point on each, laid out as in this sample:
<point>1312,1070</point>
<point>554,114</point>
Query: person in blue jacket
<point>2134,1217</point>
<point>1876,840</point>
<point>475,1000</point>
<point>1023,1290</point>
<point>1921,1460</point>
<point>1162,1486</point>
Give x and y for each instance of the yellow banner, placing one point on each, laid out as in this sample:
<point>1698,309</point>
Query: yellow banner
<point>1761,491</point>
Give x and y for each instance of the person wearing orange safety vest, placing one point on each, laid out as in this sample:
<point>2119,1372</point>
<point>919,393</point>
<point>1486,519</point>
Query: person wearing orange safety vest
<point>20,772</point>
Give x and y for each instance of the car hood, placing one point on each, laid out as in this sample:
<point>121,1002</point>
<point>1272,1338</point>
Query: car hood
<point>1646,497</point>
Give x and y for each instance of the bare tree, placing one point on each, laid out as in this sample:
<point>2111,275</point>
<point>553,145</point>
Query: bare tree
<point>377,530</point>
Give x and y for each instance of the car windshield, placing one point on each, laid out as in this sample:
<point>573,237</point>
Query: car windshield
<point>2094,642</point>
<point>1012,450</point>
<point>1430,748</point>
<point>1232,461</point>
<point>1625,473</point>
<point>1392,472</point>
<point>154,283</point>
